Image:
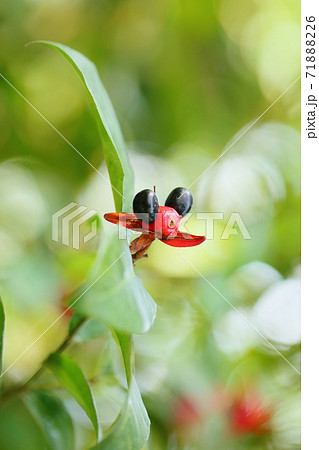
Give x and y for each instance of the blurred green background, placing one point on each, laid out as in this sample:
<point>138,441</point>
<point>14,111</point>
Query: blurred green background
<point>185,78</point>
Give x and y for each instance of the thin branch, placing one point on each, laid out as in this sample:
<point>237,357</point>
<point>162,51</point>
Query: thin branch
<point>28,384</point>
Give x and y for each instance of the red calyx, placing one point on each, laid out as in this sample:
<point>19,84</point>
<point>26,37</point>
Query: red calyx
<point>165,228</point>
<point>166,224</point>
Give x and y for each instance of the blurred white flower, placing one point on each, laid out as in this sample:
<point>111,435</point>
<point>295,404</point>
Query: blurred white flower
<point>246,184</point>
<point>255,173</point>
<point>234,335</point>
<point>276,316</point>
<point>277,312</point>
<point>251,280</point>
<point>287,422</point>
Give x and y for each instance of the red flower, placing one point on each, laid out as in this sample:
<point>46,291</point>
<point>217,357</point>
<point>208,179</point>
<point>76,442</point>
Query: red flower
<point>248,415</point>
<point>185,413</point>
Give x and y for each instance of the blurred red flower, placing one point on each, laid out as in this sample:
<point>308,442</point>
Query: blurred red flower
<point>249,415</point>
<point>185,412</point>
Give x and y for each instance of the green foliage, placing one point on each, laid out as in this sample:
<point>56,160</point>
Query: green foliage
<point>185,79</point>
<point>53,418</point>
<point>115,153</point>
<point>131,429</point>
<point>19,429</point>
<point>2,321</point>
<point>72,378</point>
<point>118,297</point>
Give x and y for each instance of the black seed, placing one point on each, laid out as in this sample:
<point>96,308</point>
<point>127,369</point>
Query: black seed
<point>145,206</point>
<point>181,200</point>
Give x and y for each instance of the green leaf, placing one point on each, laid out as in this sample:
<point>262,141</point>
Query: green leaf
<point>18,428</point>
<point>118,297</point>
<point>72,378</point>
<point>131,429</point>
<point>76,320</point>
<point>52,417</point>
<point>2,320</point>
<point>115,152</point>
<point>125,343</point>
<point>91,329</point>
<point>113,292</point>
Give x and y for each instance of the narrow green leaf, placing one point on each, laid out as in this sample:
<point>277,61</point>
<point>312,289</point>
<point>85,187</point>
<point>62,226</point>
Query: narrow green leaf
<point>2,320</point>
<point>131,429</point>
<point>51,415</point>
<point>114,293</point>
<point>72,378</point>
<point>125,343</point>
<point>118,297</point>
<point>115,152</point>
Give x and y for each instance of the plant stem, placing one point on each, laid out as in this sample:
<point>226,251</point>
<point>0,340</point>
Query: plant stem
<point>27,385</point>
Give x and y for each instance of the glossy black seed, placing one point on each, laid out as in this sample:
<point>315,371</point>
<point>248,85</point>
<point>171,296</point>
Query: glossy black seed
<point>181,200</point>
<point>145,206</point>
